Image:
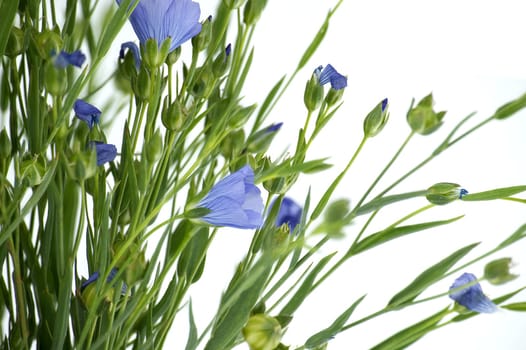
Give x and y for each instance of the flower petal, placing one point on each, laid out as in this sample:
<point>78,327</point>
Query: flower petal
<point>471,297</point>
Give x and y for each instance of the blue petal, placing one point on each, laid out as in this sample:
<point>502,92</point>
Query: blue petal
<point>86,112</point>
<point>384,104</point>
<point>95,276</point>
<point>64,59</point>
<point>289,213</point>
<point>274,127</point>
<point>471,297</point>
<point>134,49</point>
<point>162,19</point>
<point>105,152</point>
<point>329,74</point>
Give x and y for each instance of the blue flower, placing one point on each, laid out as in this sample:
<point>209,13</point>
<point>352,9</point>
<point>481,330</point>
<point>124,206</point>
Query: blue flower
<point>134,49</point>
<point>274,127</point>
<point>329,74</point>
<point>64,59</point>
<point>95,276</point>
<point>471,297</point>
<point>163,19</point>
<point>86,112</point>
<point>105,152</point>
<point>289,213</point>
<point>385,101</point>
<point>234,201</point>
<point>462,193</point>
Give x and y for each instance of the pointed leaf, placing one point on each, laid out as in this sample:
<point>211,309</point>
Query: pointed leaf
<point>429,277</point>
<point>192,342</point>
<point>378,203</point>
<point>498,193</point>
<point>515,306</point>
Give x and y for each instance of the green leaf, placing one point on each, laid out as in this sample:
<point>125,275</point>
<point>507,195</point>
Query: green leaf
<point>191,263</point>
<point>328,333</point>
<point>265,106</point>
<point>395,232</point>
<point>305,288</point>
<point>287,168</point>
<point>411,334</point>
<point>429,277</point>
<point>519,234</point>
<point>498,193</point>
<point>515,306</point>
<point>8,10</point>
<point>31,203</point>
<point>192,342</point>
<point>313,46</point>
<point>378,203</point>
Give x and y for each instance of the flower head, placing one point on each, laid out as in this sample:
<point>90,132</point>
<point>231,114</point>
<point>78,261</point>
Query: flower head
<point>329,74</point>
<point>471,297</point>
<point>95,276</point>
<point>86,112</point>
<point>234,201</point>
<point>64,59</point>
<point>289,213</point>
<point>163,19</point>
<point>105,152</point>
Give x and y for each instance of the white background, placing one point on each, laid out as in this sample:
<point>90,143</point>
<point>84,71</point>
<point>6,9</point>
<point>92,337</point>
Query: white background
<point>471,55</point>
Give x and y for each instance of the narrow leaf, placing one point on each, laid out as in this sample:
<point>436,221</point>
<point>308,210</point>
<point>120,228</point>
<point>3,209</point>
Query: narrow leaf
<point>378,203</point>
<point>8,10</point>
<point>517,235</point>
<point>515,306</point>
<point>330,332</point>
<point>498,193</point>
<point>192,342</point>
<point>429,277</point>
<point>396,232</point>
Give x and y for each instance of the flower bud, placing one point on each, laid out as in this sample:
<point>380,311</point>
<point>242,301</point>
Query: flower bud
<point>498,271</point>
<point>173,115</point>
<point>133,261</point>
<point>423,119</point>
<point>5,145</point>
<point>154,147</point>
<point>333,96</point>
<point>142,85</point>
<point>32,171</point>
<point>201,40</point>
<point>55,80</point>
<point>313,94</point>
<point>84,165</point>
<point>173,56</point>
<point>222,62</point>
<point>240,116</point>
<point>233,143</point>
<point>154,55</point>
<point>376,119</point>
<point>510,108</point>
<point>48,42</point>
<point>253,9</point>
<point>15,43</point>
<point>444,193</point>
<point>262,332</point>
<point>260,141</point>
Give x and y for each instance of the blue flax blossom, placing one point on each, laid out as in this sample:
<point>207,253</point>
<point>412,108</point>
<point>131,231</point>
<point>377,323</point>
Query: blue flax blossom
<point>289,213</point>
<point>105,152</point>
<point>163,19</point>
<point>64,59</point>
<point>471,297</point>
<point>330,75</point>
<point>95,276</point>
<point>234,201</point>
<point>87,112</point>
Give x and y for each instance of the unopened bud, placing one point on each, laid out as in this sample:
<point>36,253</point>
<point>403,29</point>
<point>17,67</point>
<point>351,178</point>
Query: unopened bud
<point>376,119</point>
<point>444,193</point>
<point>253,9</point>
<point>262,332</point>
<point>222,62</point>
<point>510,108</point>
<point>55,79</point>
<point>201,40</point>
<point>313,94</point>
<point>142,86</point>
<point>334,96</point>
<point>5,145</point>
<point>15,43</point>
<point>260,141</point>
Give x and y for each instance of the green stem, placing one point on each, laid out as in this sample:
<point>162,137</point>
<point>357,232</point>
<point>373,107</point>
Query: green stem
<point>19,291</point>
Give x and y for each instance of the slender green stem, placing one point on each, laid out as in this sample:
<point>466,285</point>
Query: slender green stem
<point>19,291</point>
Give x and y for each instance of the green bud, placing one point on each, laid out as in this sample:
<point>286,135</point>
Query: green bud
<point>498,271</point>
<point>5,145</point>
<point>313,94</point>
<point>55,80</point>
<point>253,9</point>
<point>262,332</point>
<point>333,96</point>
<point>201,40</point>
<point>15,43</point>
<point>32,171</point>
<point>85,165</point>
<point>337,210</point>
<point>142,86</point>
<point>240,116</point>
<point>510,108</point>
<point>275,185</point>
<point>48,42</point>
<point>173,56</point>
<point>222,62</point>
<point>260,141</point>
<point>154,55</point>
<point>154,147</point>
<point>423,119</point>
<point>205,82</point>
<point>173,115</point>
<point>234,4</point>
<point>233,144</point>
<point>376,119</point>
<point>444,193</point>
<point>133,261</point>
